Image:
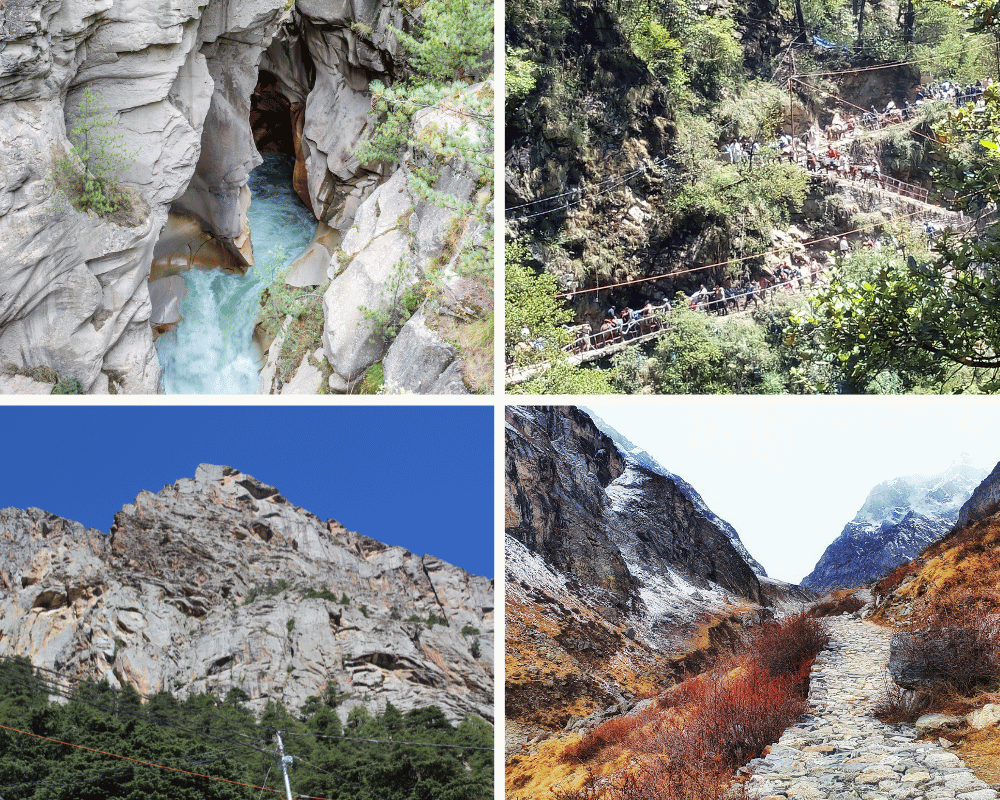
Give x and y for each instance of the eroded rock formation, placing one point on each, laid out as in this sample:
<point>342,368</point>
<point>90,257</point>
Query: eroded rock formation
<point>176,79</point>
<point>205,585</point>
<point>184,83</point>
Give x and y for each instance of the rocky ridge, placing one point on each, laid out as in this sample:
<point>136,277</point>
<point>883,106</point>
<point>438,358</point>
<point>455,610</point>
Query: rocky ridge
<point>898,520</point>
<point>620,530</point>
<point>983,501</point>
<point>218,582</point>
<point>633,452</point>
<point>840,751</point>
<point>614,582</point>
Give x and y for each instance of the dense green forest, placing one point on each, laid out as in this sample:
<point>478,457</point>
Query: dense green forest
<point>218,749</point>
<point>628,142</point>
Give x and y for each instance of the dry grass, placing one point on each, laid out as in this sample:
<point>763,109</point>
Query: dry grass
<point>687,743</point>
<point>950,599</point>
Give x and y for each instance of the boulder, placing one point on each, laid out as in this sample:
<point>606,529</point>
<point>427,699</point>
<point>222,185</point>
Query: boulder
<point>930,723</point>
<point>421,362</point>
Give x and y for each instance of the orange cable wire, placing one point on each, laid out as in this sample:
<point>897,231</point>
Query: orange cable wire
<point>568,295</point>
<point>145,763</point>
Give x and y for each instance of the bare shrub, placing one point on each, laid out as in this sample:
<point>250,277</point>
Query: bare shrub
<point>957,643</point>
<point>836,606</point>
<point>782,647</point>
<point>895,704</point>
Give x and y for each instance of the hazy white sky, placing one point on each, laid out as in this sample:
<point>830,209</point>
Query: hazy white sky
<point>789,472</point>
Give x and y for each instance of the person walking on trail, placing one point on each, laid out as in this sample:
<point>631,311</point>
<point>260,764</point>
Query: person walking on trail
<point>845,248</point>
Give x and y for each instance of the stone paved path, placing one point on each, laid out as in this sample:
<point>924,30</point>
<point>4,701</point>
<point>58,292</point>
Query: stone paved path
<point>838,751</point>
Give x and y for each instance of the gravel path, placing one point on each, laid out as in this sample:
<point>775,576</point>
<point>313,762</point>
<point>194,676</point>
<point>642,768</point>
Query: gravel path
<point>839,751</point>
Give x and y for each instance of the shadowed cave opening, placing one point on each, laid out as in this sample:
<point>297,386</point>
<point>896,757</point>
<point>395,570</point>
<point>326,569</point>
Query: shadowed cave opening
<point>271,117</point>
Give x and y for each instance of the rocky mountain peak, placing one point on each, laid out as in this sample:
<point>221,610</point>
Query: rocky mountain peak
<point>899,518</point>
<point>219,581</point>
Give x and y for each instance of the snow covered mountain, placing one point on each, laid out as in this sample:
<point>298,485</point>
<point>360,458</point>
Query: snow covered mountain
<point>615,581</point>
<point>632,452</point>
<point>898,520</point>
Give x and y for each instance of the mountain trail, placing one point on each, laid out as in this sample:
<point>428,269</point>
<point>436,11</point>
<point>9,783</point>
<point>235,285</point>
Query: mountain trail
<point>841,752</point>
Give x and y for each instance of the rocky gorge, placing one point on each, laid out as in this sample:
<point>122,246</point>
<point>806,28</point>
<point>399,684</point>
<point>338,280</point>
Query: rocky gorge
<point>219,582</point>
<point>194,88</point>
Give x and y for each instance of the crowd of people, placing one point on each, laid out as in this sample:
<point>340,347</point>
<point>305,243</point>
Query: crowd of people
<point>946,90</point>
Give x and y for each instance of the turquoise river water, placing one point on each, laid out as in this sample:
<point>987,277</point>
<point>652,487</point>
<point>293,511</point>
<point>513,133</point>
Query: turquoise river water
<point>212,350</point>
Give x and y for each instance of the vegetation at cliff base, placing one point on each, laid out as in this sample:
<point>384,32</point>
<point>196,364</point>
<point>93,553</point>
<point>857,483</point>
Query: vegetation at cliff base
<point>212,748</point>
<point>690,739</point>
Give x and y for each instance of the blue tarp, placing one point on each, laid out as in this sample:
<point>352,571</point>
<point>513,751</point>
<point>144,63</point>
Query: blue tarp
<point>829,45</point>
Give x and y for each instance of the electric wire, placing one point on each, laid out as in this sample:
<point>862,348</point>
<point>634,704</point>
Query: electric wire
<point>50,687</point>
<point>89,775</point>
<point>138,760</point>
<point>338,777</point>
<point>728,262</point>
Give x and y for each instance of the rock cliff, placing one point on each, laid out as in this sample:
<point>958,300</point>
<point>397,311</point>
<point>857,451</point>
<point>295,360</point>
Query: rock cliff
<point>983,501</point>
<point>897,521</point>
<point>177,80</point>
<point>193,87</point>
<point>631,451</point>
<point>218,582</point>
<point>615,582</point>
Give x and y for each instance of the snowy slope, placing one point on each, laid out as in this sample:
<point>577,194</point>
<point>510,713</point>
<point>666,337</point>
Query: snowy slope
<point>636,454</point>
<point>899,518</point>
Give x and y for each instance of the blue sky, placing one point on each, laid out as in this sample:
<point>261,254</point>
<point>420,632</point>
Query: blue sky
<point>420,477</point>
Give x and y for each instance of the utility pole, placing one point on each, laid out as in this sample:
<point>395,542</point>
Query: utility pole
<point>285,761</point>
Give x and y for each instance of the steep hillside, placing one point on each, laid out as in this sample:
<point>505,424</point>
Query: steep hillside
<point>218,582</point>
<point>898,520</point>
<point>956,574</point>
<point>616,583</point>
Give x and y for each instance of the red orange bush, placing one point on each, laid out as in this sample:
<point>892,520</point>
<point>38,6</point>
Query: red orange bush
<point>836,606</point>
<point>688,744</point>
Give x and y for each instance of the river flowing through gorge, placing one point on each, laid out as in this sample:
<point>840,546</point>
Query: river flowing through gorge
<point>212,349</point>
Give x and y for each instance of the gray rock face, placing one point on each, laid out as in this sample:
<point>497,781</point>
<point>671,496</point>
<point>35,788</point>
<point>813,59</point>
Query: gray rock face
<point>625,535</point>
<point>394,240</point>
<point>984,499</point>
<point>203,587</point>
<point>637,454</point>
<point>176,79</point>
<point>899,519</point>
<point>420,362</point>
<point>350,44</point>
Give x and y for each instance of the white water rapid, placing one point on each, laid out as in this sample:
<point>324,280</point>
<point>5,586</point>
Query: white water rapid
<point>212,350</point>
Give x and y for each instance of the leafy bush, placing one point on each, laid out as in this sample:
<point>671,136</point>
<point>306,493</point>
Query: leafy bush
<point>322,594</point>
<point>88,176</point>
<point>68,385</point>
<point>269,589</point>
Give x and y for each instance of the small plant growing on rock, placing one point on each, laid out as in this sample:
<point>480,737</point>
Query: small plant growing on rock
<point>68,385</point>
<point>88,175</point>
<point>398,302</point>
